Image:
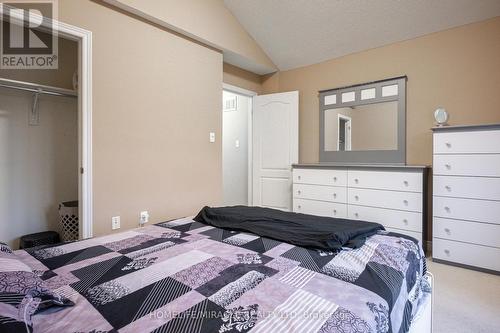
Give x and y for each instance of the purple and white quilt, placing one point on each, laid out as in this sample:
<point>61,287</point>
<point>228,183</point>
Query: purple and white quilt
<point>185,276</point>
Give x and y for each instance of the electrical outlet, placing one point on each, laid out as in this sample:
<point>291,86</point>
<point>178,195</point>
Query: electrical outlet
<point>144,217</point>
<point>212,137</point>
<point>115,222</point>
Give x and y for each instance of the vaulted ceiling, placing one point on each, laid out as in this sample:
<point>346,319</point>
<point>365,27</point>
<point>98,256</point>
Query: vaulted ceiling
<point>297,33</point>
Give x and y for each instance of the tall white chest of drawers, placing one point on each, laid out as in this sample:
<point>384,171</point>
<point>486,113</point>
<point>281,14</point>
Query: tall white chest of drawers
<point>466,199</point>
<point>389,195</point>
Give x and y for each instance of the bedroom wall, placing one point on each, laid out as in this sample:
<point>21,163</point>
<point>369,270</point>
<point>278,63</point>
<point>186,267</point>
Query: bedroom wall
<point>458,69</point>
<point>156,97</point>
<point>241,78</point>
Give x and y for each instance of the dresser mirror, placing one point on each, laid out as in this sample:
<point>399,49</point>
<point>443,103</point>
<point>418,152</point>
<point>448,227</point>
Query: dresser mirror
<point>364,124</point>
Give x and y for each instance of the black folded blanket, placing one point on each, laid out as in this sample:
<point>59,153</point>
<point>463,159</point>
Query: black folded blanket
<point>310,231</point>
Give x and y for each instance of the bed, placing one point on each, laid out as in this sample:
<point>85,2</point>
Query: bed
<point>187,276</point>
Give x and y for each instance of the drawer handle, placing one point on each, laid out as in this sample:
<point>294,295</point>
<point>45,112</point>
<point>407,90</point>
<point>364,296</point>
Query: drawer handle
<point>356,180</point>
<point>447,187</point>
<point>334,195</point>
<point>405,202</point>
<point>405,182</point>
<point>447,252</point>
<point>448,231</point>
<point>447,209</point>
<point>448,144</point>
<point>448,166</point>
<point>405,221</point>
<point>356,197</point>
<point>299,206</point>
<point>299,177</point>
<point>299,191</point>
<point>334,179</point>
<point>334,212</point>
<point>356,214</point>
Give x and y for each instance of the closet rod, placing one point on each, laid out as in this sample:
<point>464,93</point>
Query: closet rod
<point>37,88</point>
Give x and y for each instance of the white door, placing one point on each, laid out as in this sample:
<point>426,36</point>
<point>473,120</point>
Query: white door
<point>275,148</point>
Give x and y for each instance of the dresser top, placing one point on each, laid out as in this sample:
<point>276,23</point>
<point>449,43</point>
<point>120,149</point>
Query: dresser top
<point>370,166</point>
<point>465,127</point>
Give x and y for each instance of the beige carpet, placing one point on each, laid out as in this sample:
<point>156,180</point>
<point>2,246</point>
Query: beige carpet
<point>465,300</point>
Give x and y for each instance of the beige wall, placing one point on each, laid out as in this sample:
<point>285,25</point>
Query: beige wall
<point>156,97</point>
<point>458,69</point>
<point>241,78</point>
<point>375,126</point>
<point>208,21</point>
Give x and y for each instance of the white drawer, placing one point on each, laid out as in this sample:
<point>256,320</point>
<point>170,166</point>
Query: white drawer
<point>321,208</point>
<point>416,235</point>
<point>467,142</point>
<point>467,254</point>
<point>465,231</point>
<point>330,177</point>
<point>324,193</point>
<point>467,165</point>
<point>467,187</point>
<point>411,221</point>
<point>385,180</point>
<point>467,209</point>
<point>409,201</point>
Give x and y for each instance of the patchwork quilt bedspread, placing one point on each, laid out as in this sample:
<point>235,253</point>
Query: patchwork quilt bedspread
<point>185,276</point>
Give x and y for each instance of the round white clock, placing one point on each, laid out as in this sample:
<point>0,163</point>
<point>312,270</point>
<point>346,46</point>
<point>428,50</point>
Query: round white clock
<point>441,116</point>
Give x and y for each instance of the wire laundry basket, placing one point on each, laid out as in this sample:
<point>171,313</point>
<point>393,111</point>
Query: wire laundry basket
<point>68,223</point>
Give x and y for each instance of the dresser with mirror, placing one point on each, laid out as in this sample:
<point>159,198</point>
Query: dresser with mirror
<point>362,172</point>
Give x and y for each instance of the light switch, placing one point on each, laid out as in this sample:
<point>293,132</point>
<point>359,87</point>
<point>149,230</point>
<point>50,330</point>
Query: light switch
<point>212,137</point>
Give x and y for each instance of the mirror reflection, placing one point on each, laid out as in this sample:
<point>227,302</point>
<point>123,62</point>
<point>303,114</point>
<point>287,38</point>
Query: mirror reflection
<point>362,127</point>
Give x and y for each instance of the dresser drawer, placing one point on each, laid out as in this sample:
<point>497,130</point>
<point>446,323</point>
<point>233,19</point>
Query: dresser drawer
<point>387,217</point>
<point>467,187</point>
<point>467,142</point>
<point>335,177</point>
<point>467,209</point>
<point>385,180</point>
<point>409,201</point>
<point>416,235</point>
<point>321,208</point>
<point>467,165</point>
<point>465,231</point>
<point>466,254</point>
<point>324,193</point>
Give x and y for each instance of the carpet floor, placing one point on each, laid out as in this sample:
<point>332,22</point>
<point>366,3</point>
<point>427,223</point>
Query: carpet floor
<point>465,300</point>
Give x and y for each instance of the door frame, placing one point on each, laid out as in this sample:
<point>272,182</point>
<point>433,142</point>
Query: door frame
<point>84,39</point>
<point>247,93</point>
<point>347,132</point>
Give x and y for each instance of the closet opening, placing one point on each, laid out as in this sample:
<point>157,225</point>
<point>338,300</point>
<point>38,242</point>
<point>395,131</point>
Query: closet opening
<point>45,142</point>
<point>237,145</point>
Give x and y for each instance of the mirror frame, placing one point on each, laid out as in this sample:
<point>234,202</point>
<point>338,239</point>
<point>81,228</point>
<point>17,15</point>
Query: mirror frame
<point>397,156</point>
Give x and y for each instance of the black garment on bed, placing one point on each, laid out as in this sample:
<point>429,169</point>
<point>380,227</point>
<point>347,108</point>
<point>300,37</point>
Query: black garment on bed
<point>310,231</point>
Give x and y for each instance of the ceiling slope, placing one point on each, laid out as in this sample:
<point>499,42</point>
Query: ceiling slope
<point>303,32</point>
<point>206,21</point>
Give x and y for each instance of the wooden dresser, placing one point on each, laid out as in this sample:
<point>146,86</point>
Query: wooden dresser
<point>393,196</point>
<point>466,199</point>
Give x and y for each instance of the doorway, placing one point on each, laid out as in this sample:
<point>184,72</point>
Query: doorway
<point>237,145</point>
<point>83,103</point>
<point>344,130</point>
